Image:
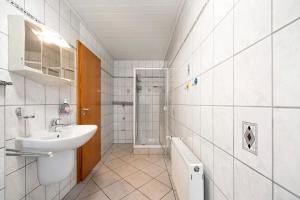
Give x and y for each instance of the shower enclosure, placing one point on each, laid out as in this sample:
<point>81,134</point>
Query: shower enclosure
<point>149,108</point>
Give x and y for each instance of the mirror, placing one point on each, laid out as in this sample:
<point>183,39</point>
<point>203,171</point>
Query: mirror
<point>33,46</point>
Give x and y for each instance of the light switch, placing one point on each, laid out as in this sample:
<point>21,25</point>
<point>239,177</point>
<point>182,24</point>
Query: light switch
<point>249,137</point>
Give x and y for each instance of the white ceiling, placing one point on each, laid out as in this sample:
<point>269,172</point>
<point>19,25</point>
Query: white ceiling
<point>131,29</point>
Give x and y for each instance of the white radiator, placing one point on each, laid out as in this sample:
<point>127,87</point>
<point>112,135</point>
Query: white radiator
<point>187,172</point>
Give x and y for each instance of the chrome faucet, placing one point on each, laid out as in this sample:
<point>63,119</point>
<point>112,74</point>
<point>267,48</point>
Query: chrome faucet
<point>54,124</point>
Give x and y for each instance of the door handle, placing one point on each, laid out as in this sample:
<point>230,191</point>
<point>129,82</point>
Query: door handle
<point>84,110</point>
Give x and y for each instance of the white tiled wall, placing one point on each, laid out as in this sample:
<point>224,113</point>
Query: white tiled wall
<point>123,91</point>
<point>20,174</point>
<point>245,54</point>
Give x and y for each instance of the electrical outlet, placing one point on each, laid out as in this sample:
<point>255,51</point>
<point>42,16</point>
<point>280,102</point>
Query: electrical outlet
<point>249,137</point>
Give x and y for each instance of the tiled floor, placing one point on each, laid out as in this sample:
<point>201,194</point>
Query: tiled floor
<point>123,175</point>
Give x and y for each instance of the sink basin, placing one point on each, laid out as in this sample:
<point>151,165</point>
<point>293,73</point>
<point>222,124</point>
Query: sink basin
<point>62,144</point>
<point>69,137</point>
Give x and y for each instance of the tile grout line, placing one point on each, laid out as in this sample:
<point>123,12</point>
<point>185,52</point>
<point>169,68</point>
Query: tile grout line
<point>272,93</point>
<point>233,102</point>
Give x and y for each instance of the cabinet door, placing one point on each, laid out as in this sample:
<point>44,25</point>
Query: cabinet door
<point>68,63</point>
<point>33,46</point>
<point>51,59</point>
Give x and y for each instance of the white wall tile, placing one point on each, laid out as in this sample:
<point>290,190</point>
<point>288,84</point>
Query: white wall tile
<point>4,51</point>
<point>286,66</point>
<point>252,75</point>
<point>36,8</point>
<point>223,128</point>
<point>285,12</point>
<point>37,123</point>
<point>206,83</point>
<point>2,122</point>
<point>13,163</point>
<point>51,113</point>
<point>223,172</point>
<point>206,130</point>
<point>64,11</point>
<point>20,2</point>
<point>2,168</point>
<point>18,127</point>
<point>218,195</point>
<point>64,93</point>
<point>249,185</point>
<point>75,22</point>
<point>15,185</point>
<point>252,21</point>
<point>206,21</point>
<point>2,196</point>
<point>51,191</point>
<point>262,162</point>
<point>2,97</point>
<point>286,148</point>
<point>38,193</point>
<point>281,194</point>
<point>51,17</point>
<point>223,39</point>
<point>5,10</point>
<point>54,4</point>
<point>35,93</point>
<point>15,95</point>
<point>31,177</point>
<point>197,145</point>
<point>206,56</point>
<point>207,157</point>
<point>223,84</point>
<point>52,95</point>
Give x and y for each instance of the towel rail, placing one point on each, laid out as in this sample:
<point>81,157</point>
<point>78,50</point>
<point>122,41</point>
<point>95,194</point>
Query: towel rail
<point>22,153</point>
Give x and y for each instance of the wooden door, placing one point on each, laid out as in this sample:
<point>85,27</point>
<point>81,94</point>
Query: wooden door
<point>88,108</point>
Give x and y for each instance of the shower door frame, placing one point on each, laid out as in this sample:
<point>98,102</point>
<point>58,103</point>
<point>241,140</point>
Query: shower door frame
<point>134,106</point>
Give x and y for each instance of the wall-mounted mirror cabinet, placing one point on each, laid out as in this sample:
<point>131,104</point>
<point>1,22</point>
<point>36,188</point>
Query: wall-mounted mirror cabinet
<point>38,53</point>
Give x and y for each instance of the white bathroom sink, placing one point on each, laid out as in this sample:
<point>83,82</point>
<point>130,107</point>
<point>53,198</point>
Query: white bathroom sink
<point>69,137</point>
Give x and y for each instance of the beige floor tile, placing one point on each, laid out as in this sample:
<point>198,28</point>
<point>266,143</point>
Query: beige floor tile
<point>108,157</point>
<point>101,170</point>
<point>114,163</point>
<point>154,158</point>
<point>97,196</point>
<point>140,163</point>
<point>88,178</point>
<point>121,153</point>
<point>129,158</point>
<point>138,179</point>
<point>153,170</point>
<point>164,178</point>
<point>169,196</point>
<point>125,170</point>
<point>73,194</point>
<point>136,195</point>
<point>106,179</point>
<point>154,190</point>
<point>118,190</point>
<point>161,163</point>
<point>89,189</point>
